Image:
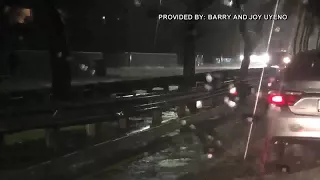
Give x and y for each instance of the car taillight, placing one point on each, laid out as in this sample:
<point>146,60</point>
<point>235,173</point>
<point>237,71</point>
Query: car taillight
<point>284,99</point>
<point>233,91</point>
<point>276,99</point>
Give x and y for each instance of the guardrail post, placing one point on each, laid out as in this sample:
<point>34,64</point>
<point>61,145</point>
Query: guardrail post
<point>123,123</point>
<point>156,117</point>
<point>181,111</point>
<point>52,138</point>
<point>93,130</point>
<point>192,107</point>
<point>90,130</point>
<point>216,84</point>
<point>157,114</point>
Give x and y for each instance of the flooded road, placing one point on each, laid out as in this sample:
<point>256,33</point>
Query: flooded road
<point>300,162</point>
<point>183,155</point>
<point>184,158</point>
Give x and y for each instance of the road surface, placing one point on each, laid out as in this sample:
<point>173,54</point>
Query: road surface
<point>182,156</point>
<point>185,159</point>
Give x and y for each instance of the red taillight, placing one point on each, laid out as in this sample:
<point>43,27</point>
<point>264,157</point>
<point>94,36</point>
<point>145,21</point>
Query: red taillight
<point>276,99</point>
<point>233,91</point>
<point>287,98</point>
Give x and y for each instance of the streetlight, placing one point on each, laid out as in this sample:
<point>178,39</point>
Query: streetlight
<point>137,3</point>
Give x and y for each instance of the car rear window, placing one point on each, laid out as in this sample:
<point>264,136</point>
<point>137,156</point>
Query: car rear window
<point>305,66</point>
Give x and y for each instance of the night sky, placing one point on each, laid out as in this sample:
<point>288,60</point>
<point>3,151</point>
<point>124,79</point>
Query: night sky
<point>120,26</point>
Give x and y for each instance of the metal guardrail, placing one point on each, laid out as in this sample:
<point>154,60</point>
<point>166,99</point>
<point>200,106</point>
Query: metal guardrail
<point>100,88</point>
<point>93,112</point>
<point>19,117</point>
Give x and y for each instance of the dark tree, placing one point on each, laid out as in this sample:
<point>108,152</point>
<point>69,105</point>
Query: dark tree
<point>51,22</point>
<point>59,51</point>
<point>190,34</point>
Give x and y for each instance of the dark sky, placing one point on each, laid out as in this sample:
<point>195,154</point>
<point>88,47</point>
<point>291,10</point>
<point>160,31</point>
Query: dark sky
<point>128,28</point>
<point>219,37</point>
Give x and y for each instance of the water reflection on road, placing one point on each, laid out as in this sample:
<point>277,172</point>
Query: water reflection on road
<point>178,158</point>
<point>183,155</point>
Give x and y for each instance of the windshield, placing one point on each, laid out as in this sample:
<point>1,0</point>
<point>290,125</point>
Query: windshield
<point>141,89</point>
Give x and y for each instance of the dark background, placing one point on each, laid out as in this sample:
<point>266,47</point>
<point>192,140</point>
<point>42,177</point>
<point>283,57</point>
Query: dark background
<point>128,28</point>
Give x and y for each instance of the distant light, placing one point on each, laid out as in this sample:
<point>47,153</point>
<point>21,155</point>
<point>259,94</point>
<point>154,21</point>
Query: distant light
<point>199,104</point>
<point>254,58</point>
<point>209,155</point>
<point>226,99</point>
<point>241,57</point>
<point>82,66</point>
<point>183,122</point>
<point>265,58</point>
<point>232,104</point>
<point>286,60</point>
<point>137,3</point>
<point>233,91</point>
<point>103,17</point>
<point>209,78</point>
<point>275,66</point>
<point>59,55</point>
<point>219,143</point>
<point>192,127</point>
<point>227,2</point>
<point>208,87</point>
<point>173,88</point>
<point>127,96</point>
<point>210,138</point>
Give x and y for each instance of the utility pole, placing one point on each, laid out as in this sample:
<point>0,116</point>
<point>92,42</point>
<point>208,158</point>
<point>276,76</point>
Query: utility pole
<point>197,6</point>
<point>189,54</point>
<point>59,52</point>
